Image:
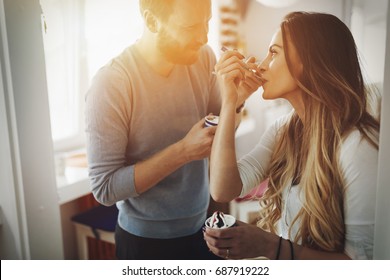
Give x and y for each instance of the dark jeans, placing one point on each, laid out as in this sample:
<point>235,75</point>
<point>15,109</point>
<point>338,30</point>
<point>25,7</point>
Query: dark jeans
<point>132,247</point>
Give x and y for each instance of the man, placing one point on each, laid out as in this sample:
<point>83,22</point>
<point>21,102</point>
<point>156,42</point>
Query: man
<point>147,145</point>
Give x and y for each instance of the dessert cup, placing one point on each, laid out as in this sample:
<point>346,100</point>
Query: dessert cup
<point>211,120</point>
<point>229,219</point>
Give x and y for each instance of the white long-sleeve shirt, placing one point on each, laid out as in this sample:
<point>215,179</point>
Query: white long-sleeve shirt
<point>358,162</point>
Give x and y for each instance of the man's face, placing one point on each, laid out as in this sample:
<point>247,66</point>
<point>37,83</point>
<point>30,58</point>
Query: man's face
<point>185,32</point>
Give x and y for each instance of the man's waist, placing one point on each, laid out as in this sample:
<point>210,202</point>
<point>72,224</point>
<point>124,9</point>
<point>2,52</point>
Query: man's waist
<point>163,229</point>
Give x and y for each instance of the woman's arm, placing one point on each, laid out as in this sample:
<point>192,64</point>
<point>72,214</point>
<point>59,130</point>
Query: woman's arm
<point>237,82</point>
<point>225,182</point>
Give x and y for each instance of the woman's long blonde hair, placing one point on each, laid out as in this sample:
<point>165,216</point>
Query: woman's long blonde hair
<point>336,102</point>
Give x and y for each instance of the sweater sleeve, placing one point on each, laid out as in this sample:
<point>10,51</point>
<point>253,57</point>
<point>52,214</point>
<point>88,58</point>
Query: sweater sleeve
<point>359,165</point>
<point>108,109</point>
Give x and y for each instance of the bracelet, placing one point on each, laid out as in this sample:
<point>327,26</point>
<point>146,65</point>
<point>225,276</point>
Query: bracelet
<point>239,109</point>
<point>291,249</point>
<point>279,247</point>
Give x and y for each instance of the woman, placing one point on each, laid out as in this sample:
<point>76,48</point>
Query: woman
<point>321,159</point>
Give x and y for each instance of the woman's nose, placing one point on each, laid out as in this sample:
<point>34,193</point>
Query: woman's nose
<point>262,66</point>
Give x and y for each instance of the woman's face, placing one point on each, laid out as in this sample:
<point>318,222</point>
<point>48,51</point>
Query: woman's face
<point>279,83</point>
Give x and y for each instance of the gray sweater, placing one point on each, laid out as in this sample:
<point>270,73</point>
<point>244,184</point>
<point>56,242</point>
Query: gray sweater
<point>132,113</point>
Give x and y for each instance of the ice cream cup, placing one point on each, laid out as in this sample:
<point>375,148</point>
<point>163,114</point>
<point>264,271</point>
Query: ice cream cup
<point>211,120</point>
<point>230,222</point>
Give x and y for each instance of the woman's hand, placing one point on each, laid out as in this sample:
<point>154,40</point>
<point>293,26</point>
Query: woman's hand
<point>246,241</point>
<point>238,79</point>
<point>239,242</point>
<point>251,82</point>
<point>230,71</point>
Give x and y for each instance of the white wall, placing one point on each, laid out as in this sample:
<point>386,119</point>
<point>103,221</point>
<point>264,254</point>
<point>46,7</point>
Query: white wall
<point>382,229</point>
<point>368,20</point>
<point>32,159</point>
<point>13,235</point>
<point>262,22</point>
<point>10,233</point>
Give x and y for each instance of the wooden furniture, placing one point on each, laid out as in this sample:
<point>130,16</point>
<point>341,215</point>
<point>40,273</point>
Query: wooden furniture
<point>96,224</point>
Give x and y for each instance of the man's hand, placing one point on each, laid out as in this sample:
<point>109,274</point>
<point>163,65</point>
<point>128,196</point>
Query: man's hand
<point>197,143</point>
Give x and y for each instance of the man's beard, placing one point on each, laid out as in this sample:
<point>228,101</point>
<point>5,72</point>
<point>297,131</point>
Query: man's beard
<point>174,52</point>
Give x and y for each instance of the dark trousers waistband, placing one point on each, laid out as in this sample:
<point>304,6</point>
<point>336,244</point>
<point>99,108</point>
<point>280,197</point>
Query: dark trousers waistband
<point>132,247</point>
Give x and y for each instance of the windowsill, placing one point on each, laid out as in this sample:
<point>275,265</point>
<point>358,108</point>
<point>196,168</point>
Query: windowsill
<point>73,184</point>
<point>72,175</point>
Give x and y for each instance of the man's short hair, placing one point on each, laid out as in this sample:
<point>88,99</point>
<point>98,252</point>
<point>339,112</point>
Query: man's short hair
<point>160,8</point>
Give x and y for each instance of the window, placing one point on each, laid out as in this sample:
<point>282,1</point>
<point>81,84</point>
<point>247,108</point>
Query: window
<point>62,54</point>
<point>80,36</point>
